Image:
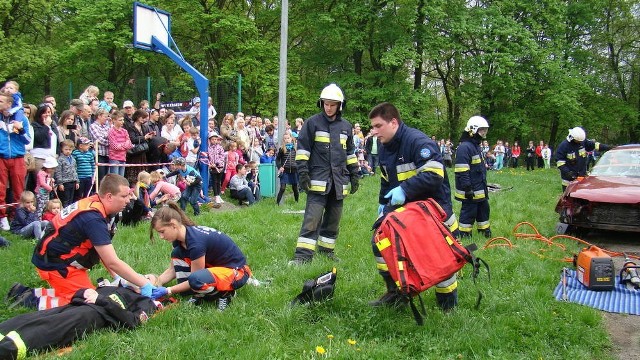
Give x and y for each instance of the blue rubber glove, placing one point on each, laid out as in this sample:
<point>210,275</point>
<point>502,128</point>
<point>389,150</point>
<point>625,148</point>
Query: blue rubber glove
<point>147,289</point>
<point>397,196</point>
<point>159,292</point>
<point>380,209</point>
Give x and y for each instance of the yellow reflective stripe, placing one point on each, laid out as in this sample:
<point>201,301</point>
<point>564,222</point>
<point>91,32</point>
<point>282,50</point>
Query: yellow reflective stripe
<point>560,163</point>
<point>317,188</point>
<point>438,172</point>
<point>476,161</point>
<point>322,136</point>
<point>481,225</point>
<point>449,240</point>
<point>306,246</point>
<point>382,267</point>
<point>306,243</point>
<point>302,155</point>
<point>345,190</point>
<point>400,265</point>
<point>448,289</point>
<point>406,175</point>
<point>20,345</point>
<point>383,244</point>
<point>352,159</point>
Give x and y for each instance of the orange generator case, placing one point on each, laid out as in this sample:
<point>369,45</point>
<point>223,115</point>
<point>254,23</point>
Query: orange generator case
<point>594,269</point>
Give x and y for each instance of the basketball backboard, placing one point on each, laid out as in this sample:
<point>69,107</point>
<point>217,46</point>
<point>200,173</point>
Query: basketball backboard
<point>147,22</point>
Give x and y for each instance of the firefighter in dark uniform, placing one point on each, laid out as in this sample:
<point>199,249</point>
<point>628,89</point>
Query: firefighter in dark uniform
<point>571,155</point>
<point>327,164</point>
<point>471,179</point>
<point>89,310</point>
<point>412,169</point>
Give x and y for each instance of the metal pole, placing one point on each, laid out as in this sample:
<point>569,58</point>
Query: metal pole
<point>239,92</point>
<point>282,91</point>
<point>149,90</point>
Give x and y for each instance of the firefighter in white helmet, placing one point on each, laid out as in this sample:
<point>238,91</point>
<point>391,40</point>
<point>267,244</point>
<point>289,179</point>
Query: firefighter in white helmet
<point>571,155</point>
<point>327,165</point>
<point>471,179</point>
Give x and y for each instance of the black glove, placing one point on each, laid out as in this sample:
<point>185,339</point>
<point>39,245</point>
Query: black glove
<point>305,181</point>
<point>468,194</point>
<point>354,184</point>
<point>572,175</point>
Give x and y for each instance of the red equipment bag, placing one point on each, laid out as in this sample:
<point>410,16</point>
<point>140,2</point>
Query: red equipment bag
<point>419,249</point>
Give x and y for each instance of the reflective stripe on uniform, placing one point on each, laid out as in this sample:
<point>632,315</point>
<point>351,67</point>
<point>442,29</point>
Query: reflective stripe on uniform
<point>452,223</point>
<point>475,159</point>
<point>322,136</point>
<point>39,292</point>
<point>462,168</point>
<point>434,167</point>
<point>352,159</point>
<point>405,171</point>
<point>343,140</point>
<point>446,289</point>
<point>560,163</point>
<point>326,242</point>
<point>317,185</point>
<point>345,189</point>
<point>306,243</point>
<point>481,225</point>
<point>20,345</point>
<point>381,264</point>
<point>302,155</point>
<point>465,227</point>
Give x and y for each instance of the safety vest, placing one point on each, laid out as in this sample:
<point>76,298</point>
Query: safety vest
<point>82,256</point>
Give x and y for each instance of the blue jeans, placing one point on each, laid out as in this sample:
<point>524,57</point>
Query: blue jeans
<point>191,194</point>
<point>116,169</point>
<point>34,229</point>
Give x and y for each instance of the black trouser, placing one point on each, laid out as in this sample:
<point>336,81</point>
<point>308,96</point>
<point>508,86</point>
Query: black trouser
<point>530,163</point>
<point>296,193</point>
<point>216,179</point>
<point>102,170</point>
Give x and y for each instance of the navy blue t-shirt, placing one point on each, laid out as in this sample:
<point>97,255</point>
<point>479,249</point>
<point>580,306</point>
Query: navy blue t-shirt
<point>217,248</point>
<point>90,225</point>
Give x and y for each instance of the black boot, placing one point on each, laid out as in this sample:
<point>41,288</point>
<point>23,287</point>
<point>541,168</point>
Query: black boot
<point>447,301</point>
<point>390,298</point>
<point>485,232</point>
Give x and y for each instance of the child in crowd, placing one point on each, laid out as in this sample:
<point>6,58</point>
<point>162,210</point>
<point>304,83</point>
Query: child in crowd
<point>162,191</point>
<point>204,261</point>
<point>193,146</point>
<point>253,179</point>
<point>142,192</point>
<point>66,175</point>
<point>269,156</point>
<point>239,186</point>
<point>242,152</point>
<point>119,143</point>
<point>546,156</point>
<point>186,125</point>
<point>52,209</point>
<point>256,151</point>
<point>13,88</point>
<point>193,181</point>
<point>25,221</point>
<point>85,167</point>
<point>45,183</point>
<point>90,93</point>
<point>233,159</point>
<point>287,169</point>
<point>216,166</point>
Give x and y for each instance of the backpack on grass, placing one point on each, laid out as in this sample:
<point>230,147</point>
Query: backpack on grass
<point>420,251</point>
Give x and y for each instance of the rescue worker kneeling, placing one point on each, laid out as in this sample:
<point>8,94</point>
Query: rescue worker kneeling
<point>204,261</point>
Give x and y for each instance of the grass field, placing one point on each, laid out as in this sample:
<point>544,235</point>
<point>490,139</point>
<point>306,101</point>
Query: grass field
<point>518,317</point>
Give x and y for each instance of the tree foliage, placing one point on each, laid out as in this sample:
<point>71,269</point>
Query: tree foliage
<point>533,68</point>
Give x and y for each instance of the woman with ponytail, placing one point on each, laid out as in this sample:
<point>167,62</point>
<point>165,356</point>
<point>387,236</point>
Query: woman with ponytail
<point>204,261</point>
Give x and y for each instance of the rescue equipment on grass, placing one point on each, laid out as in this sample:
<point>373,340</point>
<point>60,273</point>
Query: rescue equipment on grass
<point>319,289</point>
<point>420,251</point>
<point>595,269</point>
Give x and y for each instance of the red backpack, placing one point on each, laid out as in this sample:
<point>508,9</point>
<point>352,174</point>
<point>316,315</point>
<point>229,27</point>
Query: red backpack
<point>420,251</point>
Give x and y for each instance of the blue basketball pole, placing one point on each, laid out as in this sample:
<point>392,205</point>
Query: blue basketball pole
<point>202,84</point>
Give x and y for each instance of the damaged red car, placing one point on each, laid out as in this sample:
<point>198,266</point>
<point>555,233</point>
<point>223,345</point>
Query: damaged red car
<point>608,198</point>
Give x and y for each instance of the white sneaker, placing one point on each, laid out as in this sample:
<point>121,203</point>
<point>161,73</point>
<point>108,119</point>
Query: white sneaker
<point>4,224</point>
<point>218,199</point>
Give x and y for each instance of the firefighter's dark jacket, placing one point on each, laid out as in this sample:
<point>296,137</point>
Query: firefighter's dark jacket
<point>414,162</point>
<point>58,327</point>
<point>571,157</point>
<point>470,169</point>
<point>326,151</point>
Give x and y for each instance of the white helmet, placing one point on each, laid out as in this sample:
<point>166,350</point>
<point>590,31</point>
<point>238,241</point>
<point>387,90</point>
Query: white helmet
<point>577,134</point>
<point>332,92</point>
<point>475,123</point>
